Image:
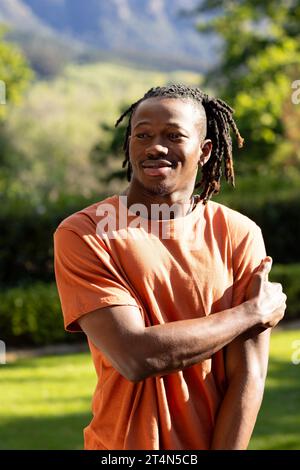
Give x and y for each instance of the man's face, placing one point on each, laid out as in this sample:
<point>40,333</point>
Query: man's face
<point>167,144</point>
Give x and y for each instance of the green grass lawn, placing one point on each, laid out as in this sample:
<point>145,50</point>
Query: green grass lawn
<point>45,402</point>
<point>278,424</point>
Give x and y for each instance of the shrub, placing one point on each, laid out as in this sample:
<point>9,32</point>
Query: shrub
<point>26,237</point>
<point>31,315</point>
<point>288,275</point>
<point>280,224</point>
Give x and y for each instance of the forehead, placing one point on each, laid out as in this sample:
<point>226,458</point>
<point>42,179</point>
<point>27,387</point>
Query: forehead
<point>166,110</point>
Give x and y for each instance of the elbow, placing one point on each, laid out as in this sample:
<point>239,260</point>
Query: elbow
<point>137,370</point>
<point>134,378</point>
<point>132,369</point>
<point>132,375</point>
<point>140,363</point>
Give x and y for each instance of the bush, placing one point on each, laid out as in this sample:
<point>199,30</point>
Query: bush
<point>26,237</point>
<point>31,315</point>
<point>280,224</point>
<point>289,275</point>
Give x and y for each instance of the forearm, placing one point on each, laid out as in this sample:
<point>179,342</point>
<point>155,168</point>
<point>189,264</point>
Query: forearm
<point>163,349</point>
<point>246,364</point>
<point>238,413</point>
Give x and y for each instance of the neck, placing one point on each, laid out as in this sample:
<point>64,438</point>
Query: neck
<point>180,203</point>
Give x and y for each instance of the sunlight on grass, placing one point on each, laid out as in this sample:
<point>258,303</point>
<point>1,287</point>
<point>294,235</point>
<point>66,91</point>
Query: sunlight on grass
<point>44,386</point>
<point>278,424</point>
<point>45,402</point>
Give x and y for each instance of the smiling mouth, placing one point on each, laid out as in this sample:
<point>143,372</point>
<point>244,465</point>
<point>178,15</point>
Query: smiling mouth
<point>158,167</point>
<point>158,164</point>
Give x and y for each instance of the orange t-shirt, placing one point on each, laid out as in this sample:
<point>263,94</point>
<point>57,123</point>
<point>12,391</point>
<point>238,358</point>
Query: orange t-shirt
<point>182,268</point>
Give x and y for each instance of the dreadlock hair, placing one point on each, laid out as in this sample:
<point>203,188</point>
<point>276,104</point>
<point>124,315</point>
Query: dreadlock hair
<point>219,121</point>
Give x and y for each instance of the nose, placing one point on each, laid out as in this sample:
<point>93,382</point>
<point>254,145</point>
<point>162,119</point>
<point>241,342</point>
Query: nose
<point>155,150</point>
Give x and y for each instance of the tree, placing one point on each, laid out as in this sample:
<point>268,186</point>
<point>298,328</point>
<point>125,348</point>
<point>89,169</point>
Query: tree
<point>14,72</point>
<point>107,155</point>
<point>15,75</point>
<point>260,59</point>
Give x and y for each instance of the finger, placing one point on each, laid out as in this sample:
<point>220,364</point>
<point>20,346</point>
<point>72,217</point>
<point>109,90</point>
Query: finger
<point>265,267</point>
<point>275,286</point>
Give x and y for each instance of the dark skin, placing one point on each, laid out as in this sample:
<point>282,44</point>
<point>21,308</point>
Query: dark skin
<point>138,352</point>
<point>169,129</point>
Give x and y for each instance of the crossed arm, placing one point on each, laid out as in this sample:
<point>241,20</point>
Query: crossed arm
<point>138,352</point>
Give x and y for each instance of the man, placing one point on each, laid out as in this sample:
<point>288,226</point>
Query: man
<point>176,303</point>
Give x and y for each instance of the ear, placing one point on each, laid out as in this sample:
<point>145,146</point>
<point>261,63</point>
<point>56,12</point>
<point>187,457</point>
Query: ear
<point>205,152</point>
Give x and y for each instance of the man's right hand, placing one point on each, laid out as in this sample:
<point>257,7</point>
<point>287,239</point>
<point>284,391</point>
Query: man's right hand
<point>267,299</point>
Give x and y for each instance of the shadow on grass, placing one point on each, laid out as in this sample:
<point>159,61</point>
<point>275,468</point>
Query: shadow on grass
<point>278,424</point>
<point>277,427</point>
<point>47,433</point>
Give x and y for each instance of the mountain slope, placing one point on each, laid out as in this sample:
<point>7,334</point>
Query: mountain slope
<point>127,27</point>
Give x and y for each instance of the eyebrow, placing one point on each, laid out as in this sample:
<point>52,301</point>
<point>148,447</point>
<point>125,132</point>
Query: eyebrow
<point>169,124</point>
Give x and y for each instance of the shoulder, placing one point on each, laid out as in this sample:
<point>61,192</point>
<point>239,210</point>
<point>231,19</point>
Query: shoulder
<point>85,220</point>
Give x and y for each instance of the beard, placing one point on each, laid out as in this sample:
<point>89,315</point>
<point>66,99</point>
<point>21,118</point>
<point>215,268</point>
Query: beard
<point>158,190</point>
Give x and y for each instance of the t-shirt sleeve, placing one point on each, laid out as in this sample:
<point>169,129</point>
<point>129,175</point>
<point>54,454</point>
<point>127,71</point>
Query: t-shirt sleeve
<point>248,253</point>
<point>86,277</point>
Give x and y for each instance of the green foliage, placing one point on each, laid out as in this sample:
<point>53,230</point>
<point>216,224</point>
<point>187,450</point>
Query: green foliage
<point>14,72</point>
<point>31,315</point>
<point>107,155</point>
<point>49,137</point>
<point>26,236</point>
<point>278,218</point>
<point>269,185</point>
<point>288,276</point>
<point>107,152</point>
<point>261,58</point>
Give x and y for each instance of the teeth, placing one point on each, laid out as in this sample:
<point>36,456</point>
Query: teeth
<point>157,165</point>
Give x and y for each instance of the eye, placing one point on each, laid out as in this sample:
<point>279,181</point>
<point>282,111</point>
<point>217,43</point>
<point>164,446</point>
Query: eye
<point>142,135</point>
<point>175,136</point>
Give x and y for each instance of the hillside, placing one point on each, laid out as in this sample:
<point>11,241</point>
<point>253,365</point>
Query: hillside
<point>138,30</point>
